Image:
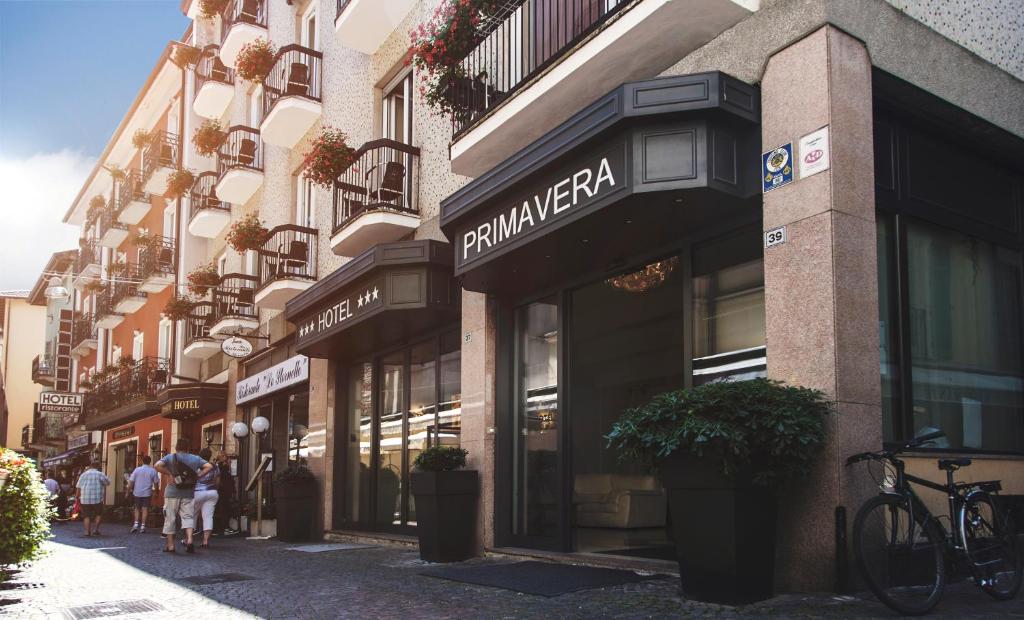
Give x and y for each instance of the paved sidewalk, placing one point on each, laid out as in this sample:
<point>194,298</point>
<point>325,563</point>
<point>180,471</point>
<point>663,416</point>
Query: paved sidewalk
<point>381,582</point>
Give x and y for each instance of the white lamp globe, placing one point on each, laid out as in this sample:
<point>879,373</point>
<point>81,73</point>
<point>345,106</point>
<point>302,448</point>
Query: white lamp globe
<point>239,429</point>
<point>260,424</point>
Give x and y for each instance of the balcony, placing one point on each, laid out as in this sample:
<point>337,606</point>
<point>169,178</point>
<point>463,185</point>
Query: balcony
<point>234,305</point>
<point>112,232</point>
<point>130,393</point>
<point>240,165</point>
<point>83,336</point>
<point>132,200</point>
<point>106,316</point>
<point>208,214</point>
<point>243,21</point>
<point>48,429</point>
<point>126,295</point>
<point>291,96</point>
<point>286,265</point>
<point>199,344</point>
<point>87,265</point>
<point>159,159</point>
<point>540,61</point>
<point>363,25</point>
<point>156,265</point>
<point>26,435</point>
<point>215,85</point>
<point>377,199</point>
<point>43,371</point>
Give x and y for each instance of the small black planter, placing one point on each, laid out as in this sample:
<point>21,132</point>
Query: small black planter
<point>297,510</point>
<point>724,531</point>
<point>446,514</point>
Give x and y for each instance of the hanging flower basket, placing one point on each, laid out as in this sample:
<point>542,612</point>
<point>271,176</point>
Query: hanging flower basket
<point>209,9</point>
<point>185,55</point>
<point>179,182</point>
<point>255,60</point>
<point>438,47</point>
<point>94,286</point>
<point>126,362</point>
<point>96,203</point>
<point>142,138</point>
<point>115,267</point>
<point>202,279</point>
<point>179,308</point>
<point>246,234</point>
<point>116,172</point>
<point>328,158</point>
<point>208,138</point>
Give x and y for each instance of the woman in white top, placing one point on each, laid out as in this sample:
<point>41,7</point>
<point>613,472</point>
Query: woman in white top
<point>206,497</point>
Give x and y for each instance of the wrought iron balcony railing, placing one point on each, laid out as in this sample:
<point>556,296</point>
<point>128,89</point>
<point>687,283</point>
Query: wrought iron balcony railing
<point>131,188</point>
<point>88,254</point>
<point>203,195</point>
<point>105,302</point>
<point>26,435</point>
<point>84,329</point>
<point>243,11</point>
<point>290,252</point>
<point>242,149</point>
<point>128,383</point>
<point>162,152</point>
<point>235,297</point>
<point>199,322</point>
<point>296,73</point>
<point>43,369</point>
<point>108,219</point>
<point>384,177</point>
<point>517,41</point>
<point>93,215</point>
<point>125,284</point>
<point>157,258</point>
<point>211,69</point>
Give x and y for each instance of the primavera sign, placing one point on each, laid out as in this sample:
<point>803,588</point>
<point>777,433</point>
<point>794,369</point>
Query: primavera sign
<point>287,373</point>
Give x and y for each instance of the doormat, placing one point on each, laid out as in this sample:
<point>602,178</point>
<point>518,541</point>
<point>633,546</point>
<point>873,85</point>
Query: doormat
<point>541,578</point>
<point>648,553</point>
<point>207,580</point>
<point>109,610</point>
<point>330,547</point>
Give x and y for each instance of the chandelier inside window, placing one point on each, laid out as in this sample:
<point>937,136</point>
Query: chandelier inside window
<point>646,278</point>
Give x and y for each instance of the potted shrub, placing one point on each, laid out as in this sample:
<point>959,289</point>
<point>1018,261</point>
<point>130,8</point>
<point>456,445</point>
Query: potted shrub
<point>208,138</point>
<point>116,267</point>
<point>184,56</point>
<point>295,490</point>
<point>116,172</point>
<point>329,156</point>
<point>25,510</point>
<point>202,279</point>
<point>446,500</point>
<point>94,287</point>
<point>141,139</point>
<point>179,182</point>
<point>246,234</point>
<point>178,307</point>
<point>724,450</point>
<point>255,60</point>
<point>96,203</point>
<point>209,9</point>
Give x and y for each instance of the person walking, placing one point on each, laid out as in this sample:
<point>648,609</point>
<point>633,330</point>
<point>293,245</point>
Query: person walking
<point>63,492</point>
<point>226,495</point>
<point>184,469</point>
<point>91,487</point>
<point>206,497</point>
<point>141,483</point>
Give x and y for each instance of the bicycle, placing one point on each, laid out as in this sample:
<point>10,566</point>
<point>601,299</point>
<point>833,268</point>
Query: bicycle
<point>902,550</point>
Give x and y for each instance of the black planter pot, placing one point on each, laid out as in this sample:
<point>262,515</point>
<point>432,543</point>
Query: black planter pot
<point>446,514</point>
<point>296,512</point>
<point>724,530</point>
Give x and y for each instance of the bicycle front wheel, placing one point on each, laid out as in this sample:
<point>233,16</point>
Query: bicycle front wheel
<point>990,543</point>
<point>900,558</point>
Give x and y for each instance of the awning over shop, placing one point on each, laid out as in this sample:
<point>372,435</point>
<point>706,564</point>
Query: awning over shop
<point>185,401</point>
<point>392,291</point>
<point>65,458</point>
<point>644,166</point>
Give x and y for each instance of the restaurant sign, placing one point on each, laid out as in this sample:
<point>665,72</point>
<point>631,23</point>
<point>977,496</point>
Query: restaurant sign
<point>123,433</point>
<point>61,402</point>
<point>289,372</point>
<point>78,442</point>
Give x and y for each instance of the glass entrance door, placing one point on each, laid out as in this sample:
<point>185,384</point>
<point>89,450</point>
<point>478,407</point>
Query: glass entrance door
<point>124,463</point>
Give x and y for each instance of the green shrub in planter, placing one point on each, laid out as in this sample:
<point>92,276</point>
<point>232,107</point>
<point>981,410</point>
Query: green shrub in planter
<point>295,493</point>
<point>25,510</point>
<point>441,458</point>
<point>446,502</point>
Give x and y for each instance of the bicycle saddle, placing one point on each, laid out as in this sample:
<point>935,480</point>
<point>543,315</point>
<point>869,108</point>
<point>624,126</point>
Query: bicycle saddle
<point>953,463</point>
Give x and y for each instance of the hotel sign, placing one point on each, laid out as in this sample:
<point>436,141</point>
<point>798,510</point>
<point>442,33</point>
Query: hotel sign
<point>289,372</point>
<point>180,406</point>
<point>338,316</point>
<point>572,189</point>
<point>61,402</point>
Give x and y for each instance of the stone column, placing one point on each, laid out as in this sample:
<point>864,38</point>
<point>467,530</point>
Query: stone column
<point>479,344</point>
<point>321,436</point>
<point>821,289</point>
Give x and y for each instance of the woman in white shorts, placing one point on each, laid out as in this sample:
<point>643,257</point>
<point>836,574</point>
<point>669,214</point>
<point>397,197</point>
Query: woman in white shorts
<point>206,497</point>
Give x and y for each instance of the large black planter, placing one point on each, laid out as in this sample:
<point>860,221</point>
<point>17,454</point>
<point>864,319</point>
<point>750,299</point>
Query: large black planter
<point>446,514</point>
<point>296,510</point>
<point>724,531</point>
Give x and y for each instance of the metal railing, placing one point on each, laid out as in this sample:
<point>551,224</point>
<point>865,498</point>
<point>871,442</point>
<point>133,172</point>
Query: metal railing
<point>235,296</point>
<point>241,149</point>
<point>162,151</point>
<point>131,188</point>
<point>26,435</point>
<point>125,284</point>
<point>211,69</point>
<point>108,219</point>
<point>296,73</point>
<point>88,254</point>
<point>42,368</point>
<point>84,329</point>
<point>384,177</point>
<point>518,40</point>
<point>105,302</point>
<point>157,258</point>
<point>289,253</point>
<point>131,382</point>
<point>243,12</point>
<point>199,322</point>
<point>341,7</point>
<point>203,195</point>
<point>47,427</point>
<point>93,215</point>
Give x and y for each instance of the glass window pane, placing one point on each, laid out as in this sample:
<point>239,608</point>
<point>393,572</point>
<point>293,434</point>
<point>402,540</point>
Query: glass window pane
<point>360,443</point>
<point>422,405</point>
<point>888,314</point>
<point>964,308</point>
<point>389,474</point>
<point>449,418</point>
<point>298,428</point>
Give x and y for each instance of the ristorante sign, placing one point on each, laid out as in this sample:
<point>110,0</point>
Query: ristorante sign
<point>572,190</point>
<point>287,373</point>
<point>340,314</point>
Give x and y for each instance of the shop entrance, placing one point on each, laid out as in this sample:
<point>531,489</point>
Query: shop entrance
<point>124,462</point>
<point>585,354</point>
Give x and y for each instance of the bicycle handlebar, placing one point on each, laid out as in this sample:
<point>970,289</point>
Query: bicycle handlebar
<point>895,449</point>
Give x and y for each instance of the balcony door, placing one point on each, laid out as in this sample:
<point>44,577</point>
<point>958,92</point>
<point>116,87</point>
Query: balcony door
<point>396,110</point>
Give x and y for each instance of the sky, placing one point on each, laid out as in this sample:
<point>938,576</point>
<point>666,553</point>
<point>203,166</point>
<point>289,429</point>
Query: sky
<point>69,70</point>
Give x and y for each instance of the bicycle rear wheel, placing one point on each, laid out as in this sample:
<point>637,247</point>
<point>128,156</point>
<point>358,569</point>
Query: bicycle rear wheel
<point>990,544</point>
<point>900,559</point>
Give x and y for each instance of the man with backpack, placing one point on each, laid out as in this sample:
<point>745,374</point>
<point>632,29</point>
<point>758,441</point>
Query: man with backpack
<point>184,469</point>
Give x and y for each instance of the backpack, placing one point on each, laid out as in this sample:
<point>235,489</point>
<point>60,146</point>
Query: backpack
<point>184,476</point>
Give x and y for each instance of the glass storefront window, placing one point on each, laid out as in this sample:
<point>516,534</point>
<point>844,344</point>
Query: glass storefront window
<point>887,313</point>
<point>298,428</point>
<point>360,442</point>
<point>390,468</point>
<point>448,429</point>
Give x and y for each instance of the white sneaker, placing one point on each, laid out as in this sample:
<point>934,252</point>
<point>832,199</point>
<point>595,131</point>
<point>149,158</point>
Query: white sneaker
<point>142,529</point>
<point>135,529</point>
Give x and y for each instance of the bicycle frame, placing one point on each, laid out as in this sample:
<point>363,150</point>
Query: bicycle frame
<point>952,491</point>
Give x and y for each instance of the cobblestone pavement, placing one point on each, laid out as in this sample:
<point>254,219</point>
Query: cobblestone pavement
<point>381,582</point>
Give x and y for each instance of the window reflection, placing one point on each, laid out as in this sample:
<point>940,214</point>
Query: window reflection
<point>729,322</point>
